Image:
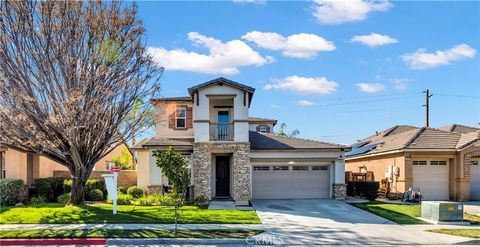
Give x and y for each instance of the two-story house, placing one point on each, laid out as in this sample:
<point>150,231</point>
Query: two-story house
<point>235,156</point>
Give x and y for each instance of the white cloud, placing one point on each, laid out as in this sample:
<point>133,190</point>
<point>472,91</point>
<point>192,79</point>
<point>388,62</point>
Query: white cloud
<point>341,11</point>
<point>306,103</point>
<point>263,2</point>
<point>304,85</point>
<point>371,87</point>
<point>223,58</point>
<point>301,45</point>
<point>399,84</point>
<point>423,60</point>
<point>276,106</point>
<point>374,39</point>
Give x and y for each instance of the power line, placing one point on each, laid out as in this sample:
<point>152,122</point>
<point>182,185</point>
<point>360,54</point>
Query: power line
<point>367,101</point>
<point>458,95</point>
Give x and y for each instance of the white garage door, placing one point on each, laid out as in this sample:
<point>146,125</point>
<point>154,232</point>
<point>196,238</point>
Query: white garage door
<point>475,181</point>
<point>284,182</point>
<point>432,179</point>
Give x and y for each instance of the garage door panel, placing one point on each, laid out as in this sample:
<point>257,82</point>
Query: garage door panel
<point>432,181</point>
<point>475,181</point>
<point>290,184</point>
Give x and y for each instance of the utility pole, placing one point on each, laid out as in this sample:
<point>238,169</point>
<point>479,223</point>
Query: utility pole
<point>427,99</point>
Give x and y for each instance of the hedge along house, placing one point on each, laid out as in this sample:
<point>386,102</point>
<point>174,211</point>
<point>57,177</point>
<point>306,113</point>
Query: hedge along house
<point>443,162</point>
<point>235,156</point>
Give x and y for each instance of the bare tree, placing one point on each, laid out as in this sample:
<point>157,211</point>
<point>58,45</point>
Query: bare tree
<point>70,74</point>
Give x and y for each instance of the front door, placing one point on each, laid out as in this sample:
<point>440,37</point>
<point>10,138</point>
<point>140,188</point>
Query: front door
<point>222,176</point>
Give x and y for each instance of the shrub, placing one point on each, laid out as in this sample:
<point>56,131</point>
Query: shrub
<point>50,188</point>
<point>365,189</point>
<point>124,199</point>
<point>10,191</point>
<point>146,201</point>
<point>37,200</point>
<point>122,190</point>
<point>200,200</point>
<point>95,195</point>
<point>164,200</point>
<point>64,198</point>
<point>135,192</point>
<point>92,184</point>
<point>67,186</point>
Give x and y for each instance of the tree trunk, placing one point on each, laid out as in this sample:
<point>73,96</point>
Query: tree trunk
<point>78,189</point>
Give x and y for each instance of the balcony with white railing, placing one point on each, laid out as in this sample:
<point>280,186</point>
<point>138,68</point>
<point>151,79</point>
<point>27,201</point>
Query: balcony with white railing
<point>221,132</point>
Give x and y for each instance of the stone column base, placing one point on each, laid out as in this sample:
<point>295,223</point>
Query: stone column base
<point>339,191</point>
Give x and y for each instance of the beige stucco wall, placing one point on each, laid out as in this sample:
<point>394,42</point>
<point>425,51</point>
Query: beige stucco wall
<point>201,113</point>
<point>462,182</point>
<point>16,164</point>
<point>379,166</point>
<point>163,109</point>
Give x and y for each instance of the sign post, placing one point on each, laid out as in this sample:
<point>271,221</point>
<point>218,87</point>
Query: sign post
<point>111,183</point>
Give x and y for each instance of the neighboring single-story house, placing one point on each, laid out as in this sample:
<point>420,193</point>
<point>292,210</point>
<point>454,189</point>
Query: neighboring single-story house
<point>27,166</point>
<point>235,156</point>
<point>443,163</point>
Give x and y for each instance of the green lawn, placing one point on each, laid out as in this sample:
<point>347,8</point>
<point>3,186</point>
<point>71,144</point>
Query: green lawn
<point>469,233</point>
<point>402,214</point>
<point>102,213</point>
<point>122,233</point>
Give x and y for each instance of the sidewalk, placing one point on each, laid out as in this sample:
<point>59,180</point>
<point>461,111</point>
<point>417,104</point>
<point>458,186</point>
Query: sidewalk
<point>131,226</point>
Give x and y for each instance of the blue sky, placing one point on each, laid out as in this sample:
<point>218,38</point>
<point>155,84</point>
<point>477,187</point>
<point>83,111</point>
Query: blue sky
<point>337,71</point>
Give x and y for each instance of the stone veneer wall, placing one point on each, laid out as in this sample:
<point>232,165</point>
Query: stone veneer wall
<point>339,191</point>
<point>202,169</point>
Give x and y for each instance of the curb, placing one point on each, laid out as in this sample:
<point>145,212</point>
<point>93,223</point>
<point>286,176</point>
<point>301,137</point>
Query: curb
<point>54,241</point>
<point>176,241</point>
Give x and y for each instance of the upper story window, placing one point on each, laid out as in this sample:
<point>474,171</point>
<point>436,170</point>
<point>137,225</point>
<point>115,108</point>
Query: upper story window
<point>263,128</point>
<point>181,117</point>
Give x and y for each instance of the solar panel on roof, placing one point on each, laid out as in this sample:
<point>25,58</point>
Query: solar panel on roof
<point>362,149</point>
<point>359,144</point>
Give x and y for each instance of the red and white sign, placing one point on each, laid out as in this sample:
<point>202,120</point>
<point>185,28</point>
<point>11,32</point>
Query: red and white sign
<point>115,169</point>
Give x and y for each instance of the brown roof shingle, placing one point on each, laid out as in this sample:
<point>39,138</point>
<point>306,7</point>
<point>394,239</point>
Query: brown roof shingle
<point>265,141</point>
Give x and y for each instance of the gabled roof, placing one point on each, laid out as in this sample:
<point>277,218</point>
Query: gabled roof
<point>265,141</point>
<point>181,98</point>
<point>413,139</point>
<point>221,81</point>
<point>468,138</point>
<point>459,128</point>
<point>262,120</point>
<point>164,142</point>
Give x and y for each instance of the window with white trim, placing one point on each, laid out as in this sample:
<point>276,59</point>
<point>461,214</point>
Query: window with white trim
<point>300,168</point>
<point>261,168</point>
<point>319,168</point>
<point>181,117</point>
<point>438,163</point>
<point>263,128</point>
<point>419,162</point>
<point>280,168</point>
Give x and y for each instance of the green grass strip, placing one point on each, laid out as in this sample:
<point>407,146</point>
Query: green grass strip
<point>122,233</point>
<point>469,233</point>
<point>54,213</point>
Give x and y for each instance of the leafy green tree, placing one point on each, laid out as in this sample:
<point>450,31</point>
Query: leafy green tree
<point>175,167</point>
<point>124,160</point>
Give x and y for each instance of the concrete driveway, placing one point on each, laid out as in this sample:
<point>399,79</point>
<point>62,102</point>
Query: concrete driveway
<point>330,222</point>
